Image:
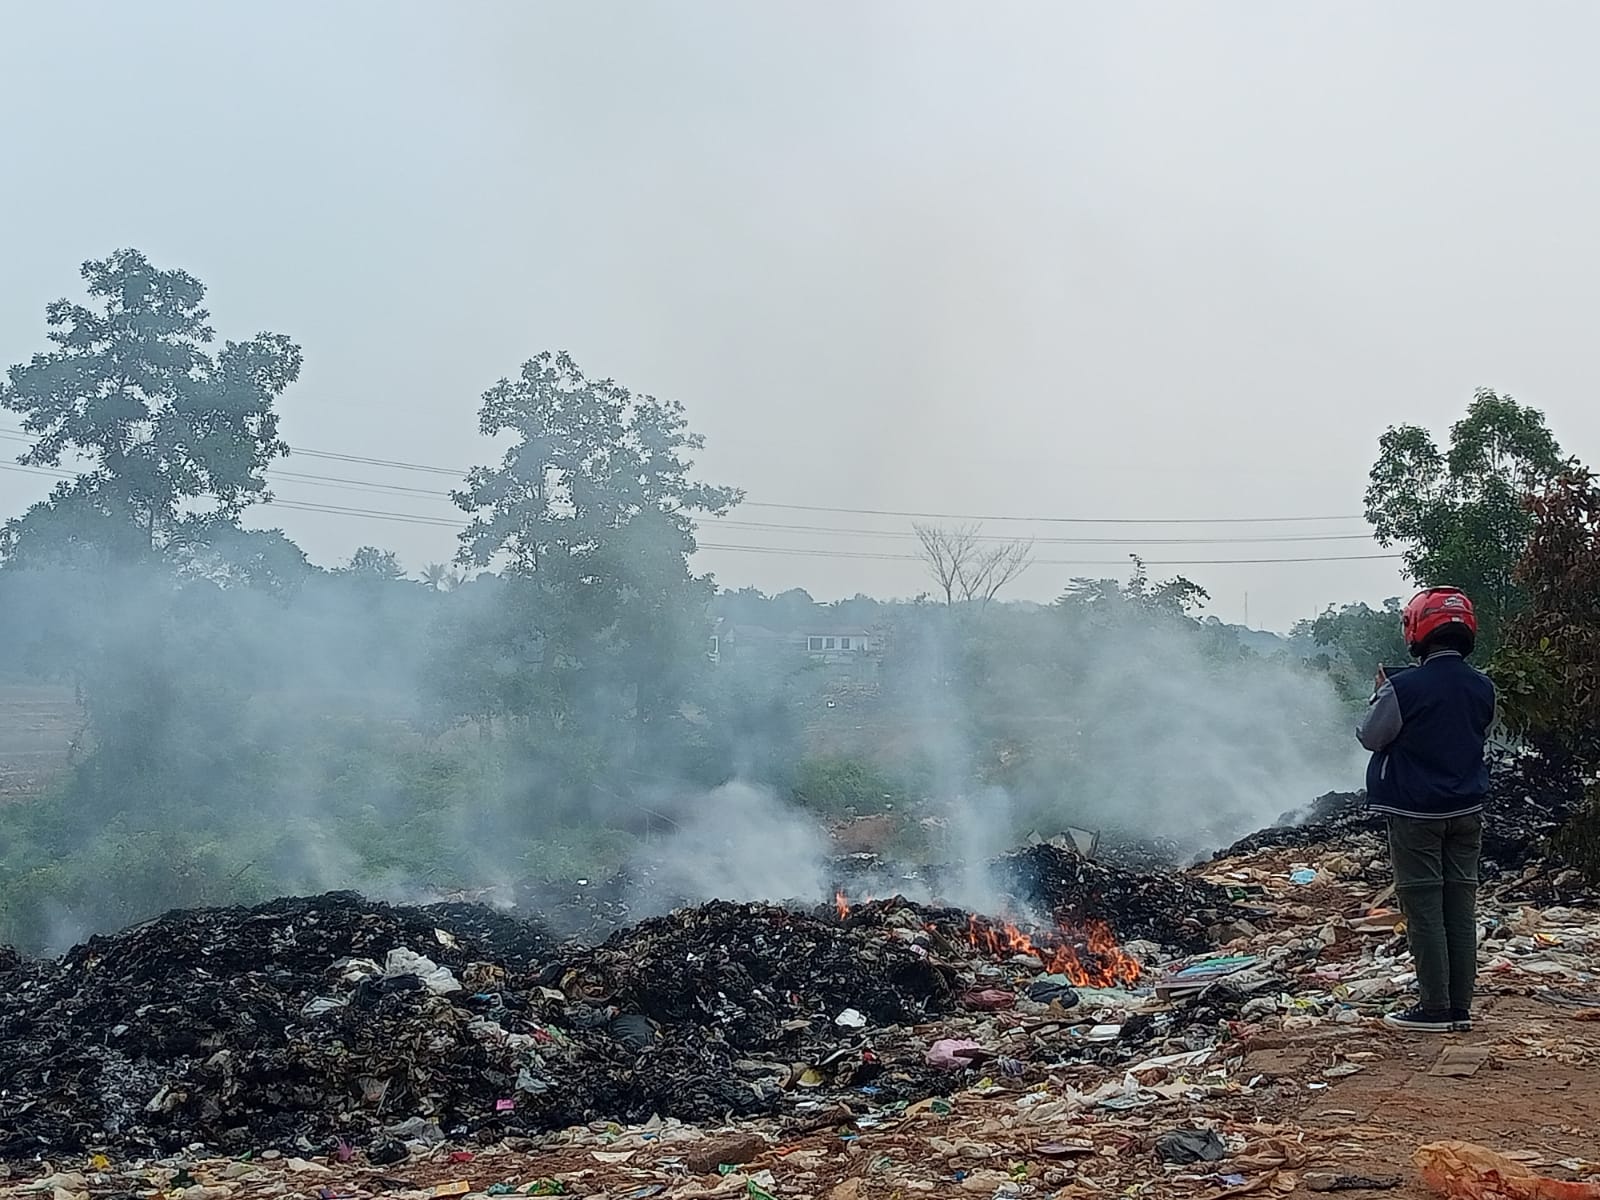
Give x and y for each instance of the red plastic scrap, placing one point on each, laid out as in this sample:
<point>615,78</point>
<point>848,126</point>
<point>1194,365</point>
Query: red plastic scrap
<point>1463,1171</point>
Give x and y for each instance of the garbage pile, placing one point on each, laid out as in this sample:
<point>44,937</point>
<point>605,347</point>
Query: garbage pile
<point>337,1027</point>
<point>1531,796</point>
<point>1165,907</point>
<point>308,1021</point>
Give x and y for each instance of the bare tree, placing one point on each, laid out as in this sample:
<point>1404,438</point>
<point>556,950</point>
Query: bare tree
<point>968,566</point>
<point>996,565</point>
<point>945,553</point>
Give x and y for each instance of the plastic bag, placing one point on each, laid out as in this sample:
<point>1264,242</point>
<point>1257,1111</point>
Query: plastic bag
<point>1462,1171</point>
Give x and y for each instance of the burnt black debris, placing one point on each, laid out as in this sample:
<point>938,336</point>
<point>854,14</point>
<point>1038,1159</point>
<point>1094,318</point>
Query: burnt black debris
<point>749,969</point>
<point>307,1021</point>
<point>1167,908</point>
<point>194,1026</point>
<point>1332,816</point>
<point>1531,796</point>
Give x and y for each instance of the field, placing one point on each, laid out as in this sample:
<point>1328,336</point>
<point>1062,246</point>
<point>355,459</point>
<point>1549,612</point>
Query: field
<point>38,725</point>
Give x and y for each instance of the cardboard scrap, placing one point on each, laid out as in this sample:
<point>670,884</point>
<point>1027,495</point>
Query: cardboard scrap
<point>1460,1061</point>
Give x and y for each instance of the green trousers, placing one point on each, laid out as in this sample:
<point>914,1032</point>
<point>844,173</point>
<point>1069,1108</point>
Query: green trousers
<point>1436,882</point>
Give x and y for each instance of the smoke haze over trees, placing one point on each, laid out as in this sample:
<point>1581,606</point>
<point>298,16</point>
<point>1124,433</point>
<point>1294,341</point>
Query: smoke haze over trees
<point>571,696</point>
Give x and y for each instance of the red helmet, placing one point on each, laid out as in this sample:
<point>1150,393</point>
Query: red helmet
<point>1432,610</point>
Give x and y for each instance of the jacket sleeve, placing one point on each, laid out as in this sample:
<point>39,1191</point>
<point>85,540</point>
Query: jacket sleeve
<point>1381,725</point>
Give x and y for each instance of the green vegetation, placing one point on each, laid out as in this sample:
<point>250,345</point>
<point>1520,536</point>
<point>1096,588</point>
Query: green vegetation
<point>1459,514</point>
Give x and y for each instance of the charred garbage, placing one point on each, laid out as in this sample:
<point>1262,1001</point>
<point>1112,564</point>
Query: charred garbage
<point>334,1019</point>
<point>1531,797</point>
<point>310,1020</point>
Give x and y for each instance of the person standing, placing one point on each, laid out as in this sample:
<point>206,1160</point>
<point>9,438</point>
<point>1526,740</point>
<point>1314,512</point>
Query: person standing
<point>1427,727</point>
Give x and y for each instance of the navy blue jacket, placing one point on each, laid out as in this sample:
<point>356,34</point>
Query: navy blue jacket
<point>1427,728</point>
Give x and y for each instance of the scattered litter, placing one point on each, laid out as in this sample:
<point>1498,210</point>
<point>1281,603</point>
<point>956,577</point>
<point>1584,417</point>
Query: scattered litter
<point>1460,1061</point>
<point>1190,1146</point>
<point>955,1054</point>
<point>1064,1149</point>
<point>1197,976</point>
<point>1463,1171</point>
<point>1336,1181</point>
<point>1053,989</point>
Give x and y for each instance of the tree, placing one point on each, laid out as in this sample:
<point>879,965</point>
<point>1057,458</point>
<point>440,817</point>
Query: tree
<point>591,510</point>
<point>1547,669</point>
<point>371,563</point>
<point>172,434</point>
<point>968,566</point>
<point>1176,597</point>
<point>1458,514</point>
<point>588,457</point>
<point>436,577</point>
<point>1364,638</point>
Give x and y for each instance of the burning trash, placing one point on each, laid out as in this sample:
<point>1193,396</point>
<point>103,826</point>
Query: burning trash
<point>1089,957</point>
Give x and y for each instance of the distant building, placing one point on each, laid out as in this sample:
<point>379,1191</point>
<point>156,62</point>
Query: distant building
<point>729,640</point>
<point>841,645</point>
<point>855,649</point>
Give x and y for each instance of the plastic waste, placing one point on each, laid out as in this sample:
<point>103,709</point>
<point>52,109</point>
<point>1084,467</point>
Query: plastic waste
<point>1302,875</point>
<point>955,1054</point>
<point>1463,1171</point>
<point>435,978</point>
<point>418,1129</point>
<point>1053,989</point>
<point>1190,1146</point>
<point>633,1030</point>
<point>989,999</point>
<point>850,1019</point>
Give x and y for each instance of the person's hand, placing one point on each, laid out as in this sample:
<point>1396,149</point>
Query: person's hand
<point>1379,680</point>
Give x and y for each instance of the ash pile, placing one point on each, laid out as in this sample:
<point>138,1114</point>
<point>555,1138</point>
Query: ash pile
<point>305,1023</point>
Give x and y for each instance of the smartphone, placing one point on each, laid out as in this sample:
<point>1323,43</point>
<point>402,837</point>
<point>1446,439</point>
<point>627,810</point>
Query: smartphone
<point>1391,672</point>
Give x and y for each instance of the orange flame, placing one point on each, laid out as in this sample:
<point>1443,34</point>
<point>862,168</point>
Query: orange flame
<point>1090,957</point>
<point>841,905</point>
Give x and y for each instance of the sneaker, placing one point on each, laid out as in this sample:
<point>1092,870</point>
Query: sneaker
<point>1421,1020</point>
<point>1461,1020</point>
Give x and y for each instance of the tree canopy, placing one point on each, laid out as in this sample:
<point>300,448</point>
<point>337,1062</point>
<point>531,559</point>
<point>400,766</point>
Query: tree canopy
<point>168,433</point>
<point>1458,513</point>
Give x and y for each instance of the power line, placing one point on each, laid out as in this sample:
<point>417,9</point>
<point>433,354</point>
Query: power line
<point>780,551</point>
<point>398,464</point>
<point>1052,562</point>
<point>726,523</point>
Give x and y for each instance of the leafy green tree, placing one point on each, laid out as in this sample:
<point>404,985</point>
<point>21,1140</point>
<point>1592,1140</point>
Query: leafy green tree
<point>1364,638</point>
<point>590,510</point>
<point>372,564</point>
<point>170,433</point>
<point>587,458</point>
<point>1458,513</point>
<point>1175,597</point>
<point>1548,667</point>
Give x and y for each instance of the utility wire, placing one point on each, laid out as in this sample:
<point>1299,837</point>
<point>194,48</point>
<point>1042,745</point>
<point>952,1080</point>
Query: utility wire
<point>295,505</point>
<point>398,464</point>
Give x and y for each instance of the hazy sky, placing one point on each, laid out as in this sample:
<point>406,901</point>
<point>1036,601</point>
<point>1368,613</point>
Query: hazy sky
<point>1116,260</point>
